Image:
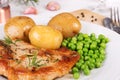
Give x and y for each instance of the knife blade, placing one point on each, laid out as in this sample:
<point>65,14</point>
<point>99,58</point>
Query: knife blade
<point>107,22</point>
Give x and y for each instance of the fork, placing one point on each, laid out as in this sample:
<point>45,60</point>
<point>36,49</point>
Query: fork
<point>113,22</point>
<point>115,16</point>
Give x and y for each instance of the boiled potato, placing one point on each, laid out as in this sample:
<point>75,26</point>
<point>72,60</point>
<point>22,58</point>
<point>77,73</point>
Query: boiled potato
<point>45,37</point>
<point>66,23</point>
<point>18,27</point>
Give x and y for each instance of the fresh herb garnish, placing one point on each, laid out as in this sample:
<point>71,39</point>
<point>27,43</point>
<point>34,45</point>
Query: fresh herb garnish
<point>56,60</point>
<point>9,41</point>
<point>17,40</point>
<point>18,61</point>
<point>33,61</point>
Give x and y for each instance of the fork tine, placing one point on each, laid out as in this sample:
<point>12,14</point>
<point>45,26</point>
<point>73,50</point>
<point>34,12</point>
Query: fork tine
<point>115,16</point>
<point>118,17</point>
<point>112,16</point>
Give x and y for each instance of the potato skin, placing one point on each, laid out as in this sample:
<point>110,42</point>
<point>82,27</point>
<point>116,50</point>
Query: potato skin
<point>45,37</point>
<point>66,23</point>
<point>18,27</point>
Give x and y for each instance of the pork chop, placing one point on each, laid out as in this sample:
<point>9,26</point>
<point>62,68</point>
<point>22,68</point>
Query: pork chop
<point>23,61</point>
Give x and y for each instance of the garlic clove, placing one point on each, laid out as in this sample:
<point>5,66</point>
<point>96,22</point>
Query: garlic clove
<point>30,10</point>
<point>53,6</point>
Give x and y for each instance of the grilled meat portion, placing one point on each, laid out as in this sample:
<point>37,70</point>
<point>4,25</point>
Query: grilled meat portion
<point>22,61</point>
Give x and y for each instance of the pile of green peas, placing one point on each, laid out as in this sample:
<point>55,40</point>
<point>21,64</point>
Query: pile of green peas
<point>91,49</point>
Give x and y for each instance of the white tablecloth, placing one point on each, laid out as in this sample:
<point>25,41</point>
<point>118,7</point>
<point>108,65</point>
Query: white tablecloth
<point>66,6</point>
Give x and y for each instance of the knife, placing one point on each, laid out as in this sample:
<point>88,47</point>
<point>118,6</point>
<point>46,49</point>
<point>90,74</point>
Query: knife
<point>107,22</point>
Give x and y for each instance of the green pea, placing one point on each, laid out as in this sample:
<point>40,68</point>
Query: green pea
<point>80,37</point>
<point>90,52</point>
<point>76,75</point>
<point>92,34</point>
<point>84,66</point>
<point>70,44</point>
<point>99,60</point>
<point>87,63</point>
<point>68,39</point>
<point>86,45</point>
<point>75,69</point>
<point>98,40</point>
<point>80,34</point>
<point>87,57</point>
<point>64,44</point>
<point>87,39</point>
<point>93,46</point>
<point>86,71</point>
<point>103,45</point>
<point>91,66</point>
<point>103,41</point>
<point>92,60</point>
<point>95,56</point>
<point>81,61</point>
<point>101,36</point>
<point>81,57</point>
<point>80,52</point>
<point>93,38</point>
<point>94,42</point>
<point>102,57</point>
<point>102,51</point>
<point>96,51</point>
<point>101,48</point>
<point>73,47</point>
<point>78,65</point>
<point>74,40</point>
<point>85,35</point>
<point>85,49</point>
<point>80,43</point>
<point>79,47</point>
<point>85,54</point>
<point>98,64</point>
<point>106,40</point>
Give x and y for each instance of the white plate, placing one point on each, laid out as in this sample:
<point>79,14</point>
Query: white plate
<point>110,69</point>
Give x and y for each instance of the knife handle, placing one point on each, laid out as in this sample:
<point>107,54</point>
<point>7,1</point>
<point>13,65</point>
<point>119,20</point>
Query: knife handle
<point>107,22</point>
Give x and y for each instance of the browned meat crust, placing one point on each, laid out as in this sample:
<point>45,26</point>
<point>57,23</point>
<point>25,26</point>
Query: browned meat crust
<point>45,65</point>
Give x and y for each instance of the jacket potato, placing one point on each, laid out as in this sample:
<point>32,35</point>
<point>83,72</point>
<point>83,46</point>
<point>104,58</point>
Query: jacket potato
<point>46,37</point>
<point>66,23</point>
<point>18,27</point>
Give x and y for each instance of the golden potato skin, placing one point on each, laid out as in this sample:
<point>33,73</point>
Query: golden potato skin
<point>66,23</point>
<point>45,37</point>
<point>18,27</point>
